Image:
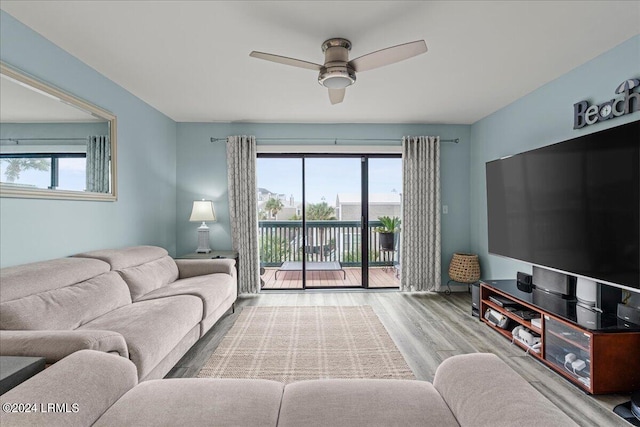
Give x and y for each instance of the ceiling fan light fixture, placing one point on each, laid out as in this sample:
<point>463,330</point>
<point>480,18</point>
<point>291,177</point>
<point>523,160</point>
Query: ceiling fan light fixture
<point>337,77</point>
<point>338,72</point>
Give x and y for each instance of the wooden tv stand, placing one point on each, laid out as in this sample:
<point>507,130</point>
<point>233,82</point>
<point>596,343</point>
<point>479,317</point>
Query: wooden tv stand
<point>611,357</point>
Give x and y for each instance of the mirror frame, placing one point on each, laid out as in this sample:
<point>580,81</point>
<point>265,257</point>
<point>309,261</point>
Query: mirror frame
<point>42,193</point>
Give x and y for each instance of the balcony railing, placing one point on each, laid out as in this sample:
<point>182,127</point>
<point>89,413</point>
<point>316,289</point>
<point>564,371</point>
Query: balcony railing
<point>281,241</point>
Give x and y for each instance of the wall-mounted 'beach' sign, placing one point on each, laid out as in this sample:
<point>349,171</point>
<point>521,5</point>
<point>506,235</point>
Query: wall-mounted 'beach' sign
<point>629,101</point>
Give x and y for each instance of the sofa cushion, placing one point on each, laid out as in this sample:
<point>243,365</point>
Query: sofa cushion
<point>68,307</point>
<point>143,268</point>
<point>151,328</point>
<point>470,384</point>
<point>197,402</point>
<point>126,257</point>
<point>149,276</point>
<point>28,279</point>
<point>365,403</point>
<point>212,289</point>
<point>88,381</point>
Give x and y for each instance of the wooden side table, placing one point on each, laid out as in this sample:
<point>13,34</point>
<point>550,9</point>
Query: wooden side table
<point>212,255</point>
<point>17,369</point>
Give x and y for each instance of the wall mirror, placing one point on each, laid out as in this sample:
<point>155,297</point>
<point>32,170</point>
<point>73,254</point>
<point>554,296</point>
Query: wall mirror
<point>53,145</point>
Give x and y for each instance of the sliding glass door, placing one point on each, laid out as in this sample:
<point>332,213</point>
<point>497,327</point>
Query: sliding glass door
<point>280,232</point>
<point>318,220</point>
<point>384,210</point>
<point>333,222</point>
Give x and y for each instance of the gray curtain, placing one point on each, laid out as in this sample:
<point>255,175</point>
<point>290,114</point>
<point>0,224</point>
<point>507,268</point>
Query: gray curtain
<point>98,157</point>
<point>420,214</point>
<point>243,209</point>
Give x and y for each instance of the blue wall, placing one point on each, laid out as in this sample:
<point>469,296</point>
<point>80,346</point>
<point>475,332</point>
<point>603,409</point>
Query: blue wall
<point>34,230</point>
<point>202,173</point>
<point>543,117</point>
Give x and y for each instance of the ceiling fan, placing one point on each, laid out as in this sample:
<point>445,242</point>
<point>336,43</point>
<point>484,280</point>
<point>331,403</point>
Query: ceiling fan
<point>338,72</point>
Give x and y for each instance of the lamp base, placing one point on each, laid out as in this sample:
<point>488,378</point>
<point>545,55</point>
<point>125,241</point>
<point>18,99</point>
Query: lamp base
<point>203,240</point>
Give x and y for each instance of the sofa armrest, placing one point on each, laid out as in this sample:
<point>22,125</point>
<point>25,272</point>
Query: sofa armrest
<point>472,383</point>
<point>55,345</point>
<point>199,267</point>
<point>83,386</point>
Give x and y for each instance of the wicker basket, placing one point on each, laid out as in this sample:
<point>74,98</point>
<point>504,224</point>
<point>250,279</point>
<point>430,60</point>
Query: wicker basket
<point>464,268</point>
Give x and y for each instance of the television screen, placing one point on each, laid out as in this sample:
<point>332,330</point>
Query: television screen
<point>572,206</point>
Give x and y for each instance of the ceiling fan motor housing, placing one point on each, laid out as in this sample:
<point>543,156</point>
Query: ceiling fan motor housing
<point>336,72</point>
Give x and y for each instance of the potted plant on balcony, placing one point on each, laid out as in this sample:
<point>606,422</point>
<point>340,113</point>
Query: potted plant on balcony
<point>388,229</point>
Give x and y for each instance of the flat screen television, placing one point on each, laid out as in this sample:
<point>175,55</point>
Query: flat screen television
<point>573,206</point>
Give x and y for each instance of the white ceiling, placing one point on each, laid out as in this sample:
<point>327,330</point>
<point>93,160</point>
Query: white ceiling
<point>190,59</point>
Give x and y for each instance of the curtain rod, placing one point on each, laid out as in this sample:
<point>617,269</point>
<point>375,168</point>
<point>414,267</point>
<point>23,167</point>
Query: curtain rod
<point>334,140</point>
<point>17,140</point>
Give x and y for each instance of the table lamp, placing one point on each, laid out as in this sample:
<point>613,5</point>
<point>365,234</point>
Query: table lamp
<point>203,211</point>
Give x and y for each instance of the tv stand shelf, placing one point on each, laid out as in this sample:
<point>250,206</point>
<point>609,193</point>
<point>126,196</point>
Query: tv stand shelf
<point>510,315</point>
<point>602,361</point>
<point>486,303</point>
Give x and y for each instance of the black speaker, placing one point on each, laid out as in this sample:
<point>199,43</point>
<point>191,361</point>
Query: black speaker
<point>475,300</point>
<point>629,313</point>
<point>552,281</point>
<point>555,303</point>
<point>525,282</point>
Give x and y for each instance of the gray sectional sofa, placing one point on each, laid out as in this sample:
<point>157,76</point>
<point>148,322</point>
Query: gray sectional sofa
<point>468,390</point>
<point>86,311</point>
<point>136,302</point>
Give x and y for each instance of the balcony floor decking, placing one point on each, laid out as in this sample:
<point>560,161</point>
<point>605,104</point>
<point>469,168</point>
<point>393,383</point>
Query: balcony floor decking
<point>379,277</point>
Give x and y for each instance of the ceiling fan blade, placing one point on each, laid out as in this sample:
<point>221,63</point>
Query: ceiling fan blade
<point>286,61</point>
<point>388,56</point>
<point>336,96</point>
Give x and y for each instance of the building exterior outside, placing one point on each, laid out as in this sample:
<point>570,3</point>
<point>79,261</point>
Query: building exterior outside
<point>348,206</point>
<point>290,209</point>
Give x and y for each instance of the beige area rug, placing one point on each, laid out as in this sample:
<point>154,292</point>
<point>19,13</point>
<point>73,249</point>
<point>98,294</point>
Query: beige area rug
<point>290,344</point>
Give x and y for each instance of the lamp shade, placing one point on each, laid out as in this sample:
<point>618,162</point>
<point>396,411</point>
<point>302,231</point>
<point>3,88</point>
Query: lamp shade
<point>202,211</point>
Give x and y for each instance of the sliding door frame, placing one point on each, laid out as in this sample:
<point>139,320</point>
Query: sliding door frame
<point>364,211</point>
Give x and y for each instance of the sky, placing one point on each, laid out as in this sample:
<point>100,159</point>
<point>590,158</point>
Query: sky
<point>326,177</point>
<point>71,175</point>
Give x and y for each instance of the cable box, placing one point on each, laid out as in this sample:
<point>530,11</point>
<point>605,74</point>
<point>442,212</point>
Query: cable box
<point>502,301</point>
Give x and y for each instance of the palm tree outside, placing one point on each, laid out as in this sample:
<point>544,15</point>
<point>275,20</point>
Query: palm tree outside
<point>273,206</point>
<point>320,212</point>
